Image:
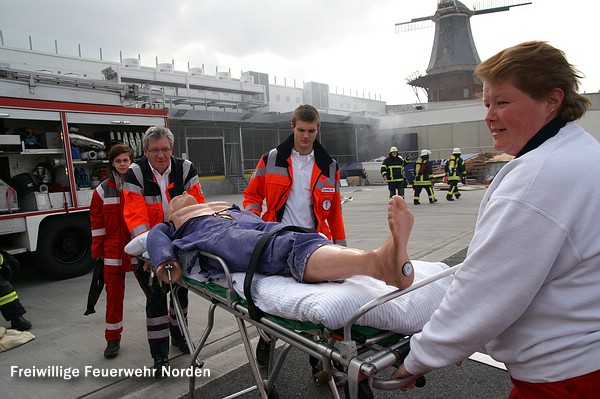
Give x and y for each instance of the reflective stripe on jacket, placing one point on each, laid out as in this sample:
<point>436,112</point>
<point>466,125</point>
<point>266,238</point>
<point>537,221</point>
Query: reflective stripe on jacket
<point>455,168</point>
<point>109,232</point>
<point>423,172</point>
<point>272,181</point>
<point>143,199</point>
<point>392,168</point>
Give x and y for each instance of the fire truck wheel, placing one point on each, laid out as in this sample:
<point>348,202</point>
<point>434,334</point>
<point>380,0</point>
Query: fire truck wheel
<point>64,246</point>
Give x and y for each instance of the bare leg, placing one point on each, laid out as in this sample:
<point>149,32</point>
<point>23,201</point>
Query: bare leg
<point>333,262</point>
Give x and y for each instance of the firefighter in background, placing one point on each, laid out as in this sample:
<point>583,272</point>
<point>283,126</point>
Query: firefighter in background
<point>456,171</point>
<point>10,306</point>
<point>392,170</point>
<point>423,178</point>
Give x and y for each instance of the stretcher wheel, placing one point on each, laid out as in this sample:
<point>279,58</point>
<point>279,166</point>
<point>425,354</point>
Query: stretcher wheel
<point>320,378</point>
<point>364,391</point>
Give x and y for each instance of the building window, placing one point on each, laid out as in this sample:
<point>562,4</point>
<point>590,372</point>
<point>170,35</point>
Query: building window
<point>287,99</point>
<point>297,100</point>
<point>277,98</point>
<point>466,92</point>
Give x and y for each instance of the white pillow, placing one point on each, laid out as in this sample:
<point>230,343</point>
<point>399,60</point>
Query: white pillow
<point>332,304</point>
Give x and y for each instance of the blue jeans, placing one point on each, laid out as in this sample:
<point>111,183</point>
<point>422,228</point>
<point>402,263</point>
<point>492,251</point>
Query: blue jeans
<point>234,239</point>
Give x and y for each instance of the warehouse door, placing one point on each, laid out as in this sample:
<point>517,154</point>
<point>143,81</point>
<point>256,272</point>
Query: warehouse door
<point>207,155</point>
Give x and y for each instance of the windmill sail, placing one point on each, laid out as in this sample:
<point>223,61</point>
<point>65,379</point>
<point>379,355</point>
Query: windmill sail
<point>449,76</point>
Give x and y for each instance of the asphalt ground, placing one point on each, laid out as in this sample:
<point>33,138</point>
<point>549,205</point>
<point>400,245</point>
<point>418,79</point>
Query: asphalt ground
<point>66,341</point>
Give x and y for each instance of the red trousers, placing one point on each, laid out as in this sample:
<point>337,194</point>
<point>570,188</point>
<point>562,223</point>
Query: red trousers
<point>115,295</point>
<point>585,386</point>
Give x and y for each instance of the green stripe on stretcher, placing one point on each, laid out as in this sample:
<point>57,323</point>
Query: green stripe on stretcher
<point>221,291</point>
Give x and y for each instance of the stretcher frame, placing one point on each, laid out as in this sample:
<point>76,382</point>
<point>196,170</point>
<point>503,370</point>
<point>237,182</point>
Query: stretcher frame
<point>361,359</point>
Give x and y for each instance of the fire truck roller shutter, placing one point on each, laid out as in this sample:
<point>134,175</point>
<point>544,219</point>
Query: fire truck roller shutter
<point>64,246</point>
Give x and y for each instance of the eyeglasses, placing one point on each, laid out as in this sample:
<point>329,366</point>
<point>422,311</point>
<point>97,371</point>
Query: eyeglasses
<point>155,151</point>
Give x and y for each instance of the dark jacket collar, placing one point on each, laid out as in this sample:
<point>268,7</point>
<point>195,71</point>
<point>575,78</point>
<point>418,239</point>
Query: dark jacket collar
<point>175,176</point>
<point>322,158</point>
<point>544,134</point>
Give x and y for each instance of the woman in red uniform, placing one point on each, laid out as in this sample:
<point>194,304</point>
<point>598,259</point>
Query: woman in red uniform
<point>109,237</point>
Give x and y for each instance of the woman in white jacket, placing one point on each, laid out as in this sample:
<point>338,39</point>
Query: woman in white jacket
<point>529,288</point>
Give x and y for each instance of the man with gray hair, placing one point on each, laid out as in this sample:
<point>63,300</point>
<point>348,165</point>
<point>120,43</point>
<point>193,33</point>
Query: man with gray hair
<point>150,184</point>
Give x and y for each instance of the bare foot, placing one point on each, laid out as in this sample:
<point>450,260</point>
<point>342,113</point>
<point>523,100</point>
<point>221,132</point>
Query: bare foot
<point>393,254</point>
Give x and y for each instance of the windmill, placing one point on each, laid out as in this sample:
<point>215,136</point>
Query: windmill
<point>449,76</point>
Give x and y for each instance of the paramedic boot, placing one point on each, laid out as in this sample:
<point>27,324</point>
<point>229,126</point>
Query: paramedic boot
<point>181,344</point>
<point>161,365</point>
<point>112,348</point>
<point>449,197</point>
<point>417,202</point>
<point>20,323</point>
<point>457,195</point>
<point>263,351</point>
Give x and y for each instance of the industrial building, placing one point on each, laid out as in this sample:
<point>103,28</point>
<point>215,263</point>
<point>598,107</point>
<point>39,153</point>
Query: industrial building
<point>223,124</point>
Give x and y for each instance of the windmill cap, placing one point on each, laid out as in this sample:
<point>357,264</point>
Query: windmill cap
<point>456,150</point>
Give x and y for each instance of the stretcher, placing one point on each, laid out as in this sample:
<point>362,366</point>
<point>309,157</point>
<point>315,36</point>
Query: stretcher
<point>364,353</point>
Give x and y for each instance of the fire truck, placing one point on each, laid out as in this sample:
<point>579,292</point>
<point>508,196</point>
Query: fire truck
<point>55,133</point>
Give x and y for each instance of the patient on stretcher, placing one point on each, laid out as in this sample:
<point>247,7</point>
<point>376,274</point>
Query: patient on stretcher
<point>224,230</point>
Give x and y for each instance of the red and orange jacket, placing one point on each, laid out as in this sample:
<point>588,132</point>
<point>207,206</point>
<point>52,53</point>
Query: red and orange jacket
<point>143,199</point>
<point>109,231</point>
<point>272,181</point>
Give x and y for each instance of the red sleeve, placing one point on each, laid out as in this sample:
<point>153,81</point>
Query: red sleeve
<point>97,225</point>
<point>196,192</point>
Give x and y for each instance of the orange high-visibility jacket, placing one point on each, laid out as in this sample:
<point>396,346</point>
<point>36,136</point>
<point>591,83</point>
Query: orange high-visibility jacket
<point>272,181</point>
<point>143,199</point>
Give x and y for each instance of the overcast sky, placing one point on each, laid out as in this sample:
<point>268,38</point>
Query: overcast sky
<point>349,44</point>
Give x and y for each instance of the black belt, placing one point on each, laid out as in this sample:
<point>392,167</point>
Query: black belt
<point>255,312</point>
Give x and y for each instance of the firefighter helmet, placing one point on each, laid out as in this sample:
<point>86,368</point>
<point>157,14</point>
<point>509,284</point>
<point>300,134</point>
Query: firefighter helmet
<point>456,151</point>
<point>393,149</point>
<point>425,152</point>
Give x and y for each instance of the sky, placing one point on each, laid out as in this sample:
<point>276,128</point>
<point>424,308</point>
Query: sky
<point>351,45</point>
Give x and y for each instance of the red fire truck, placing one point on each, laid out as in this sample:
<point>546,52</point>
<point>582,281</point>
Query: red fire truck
<point>55,132</point>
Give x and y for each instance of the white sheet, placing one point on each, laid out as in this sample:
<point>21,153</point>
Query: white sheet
<point>332,304</point>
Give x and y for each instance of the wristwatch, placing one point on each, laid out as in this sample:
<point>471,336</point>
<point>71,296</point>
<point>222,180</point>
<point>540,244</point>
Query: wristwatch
<point>407,269</point>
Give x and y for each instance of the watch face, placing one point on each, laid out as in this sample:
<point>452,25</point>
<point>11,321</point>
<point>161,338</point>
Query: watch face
<point>407,269</point>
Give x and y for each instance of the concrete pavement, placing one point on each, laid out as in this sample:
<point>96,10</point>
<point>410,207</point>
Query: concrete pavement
<point>69,342</point>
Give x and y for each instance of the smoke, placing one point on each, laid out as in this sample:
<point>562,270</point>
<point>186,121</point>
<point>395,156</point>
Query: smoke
<point>376,142</point>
